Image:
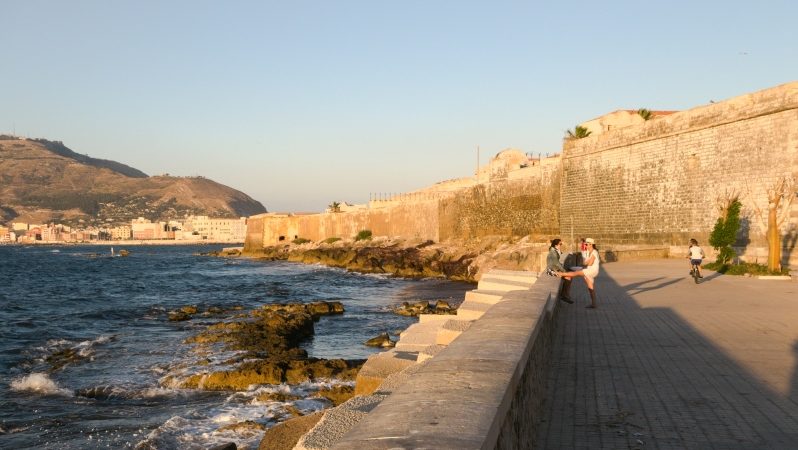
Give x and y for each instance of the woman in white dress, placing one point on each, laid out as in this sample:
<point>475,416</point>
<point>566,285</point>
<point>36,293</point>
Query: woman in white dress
<point>589,272</point>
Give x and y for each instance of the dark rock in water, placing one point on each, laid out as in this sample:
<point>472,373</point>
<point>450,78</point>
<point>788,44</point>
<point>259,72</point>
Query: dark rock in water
<point>98,392</point>
<point>337,394</point>
<point>245,427</point>
<point>189,309</point>
<point>417,261</point>
<point>178,316</point>
<point>270,338</point>
<point>383,340</point>
<point>276,397</point>
<point>228,446</point>
<point>299,371</point>
<point>442,305</point>
<point>123,252</point>
<point>423,307</point>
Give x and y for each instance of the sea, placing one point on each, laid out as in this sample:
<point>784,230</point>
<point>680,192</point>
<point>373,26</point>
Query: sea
<point>86,345</point>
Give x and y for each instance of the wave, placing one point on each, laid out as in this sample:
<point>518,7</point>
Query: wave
<point>39,383</point>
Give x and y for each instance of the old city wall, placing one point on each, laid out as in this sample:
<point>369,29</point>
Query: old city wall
<point>521,202</point>
<point>647,187</point>
<point>517,203</point>
<point>657,184</point>
<point>411,219</point>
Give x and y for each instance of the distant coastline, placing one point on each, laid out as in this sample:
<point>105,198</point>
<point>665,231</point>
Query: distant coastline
<point>128,242</point>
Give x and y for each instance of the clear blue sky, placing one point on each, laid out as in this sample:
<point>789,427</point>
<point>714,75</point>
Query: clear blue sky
<point>301,103</point>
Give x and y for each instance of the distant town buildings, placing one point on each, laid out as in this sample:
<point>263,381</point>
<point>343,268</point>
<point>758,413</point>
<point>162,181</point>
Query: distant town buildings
<point>193,228</point>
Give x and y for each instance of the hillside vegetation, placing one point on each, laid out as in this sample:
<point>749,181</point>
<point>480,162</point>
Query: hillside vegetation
<point>44,181</point>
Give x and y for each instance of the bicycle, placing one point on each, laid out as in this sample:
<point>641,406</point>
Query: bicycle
<point>695,271</point>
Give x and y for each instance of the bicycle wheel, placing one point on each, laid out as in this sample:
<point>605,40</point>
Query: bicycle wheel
<point>695,274</point>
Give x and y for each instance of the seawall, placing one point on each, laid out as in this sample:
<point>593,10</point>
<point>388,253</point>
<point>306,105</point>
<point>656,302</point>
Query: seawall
<point>479,385</point>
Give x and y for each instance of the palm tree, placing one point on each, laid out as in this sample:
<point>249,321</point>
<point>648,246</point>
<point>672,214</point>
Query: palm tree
<point>335,206</point>
<point>645,114</point>
<point>578,132</point>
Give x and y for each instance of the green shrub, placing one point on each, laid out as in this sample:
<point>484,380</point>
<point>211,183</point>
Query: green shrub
<point>725,232</point>
<point>330,240</point>
<point>743,268</point>
<point>363,235</point>
<point>300,241</point>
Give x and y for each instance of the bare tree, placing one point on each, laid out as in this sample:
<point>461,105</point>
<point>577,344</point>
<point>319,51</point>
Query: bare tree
<point>780,197</point>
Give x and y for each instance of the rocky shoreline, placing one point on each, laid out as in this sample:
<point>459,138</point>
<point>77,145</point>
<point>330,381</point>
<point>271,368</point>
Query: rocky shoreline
<point>456,261</point>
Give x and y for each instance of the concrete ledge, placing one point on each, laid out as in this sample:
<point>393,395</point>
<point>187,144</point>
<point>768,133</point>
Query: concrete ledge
<point>482,391</point>
<point>774,277</point>
<point>491,283</point>
<point>439,318</point>
<point>484,296</point>
<point>379,366</point>
<point>451,330</point>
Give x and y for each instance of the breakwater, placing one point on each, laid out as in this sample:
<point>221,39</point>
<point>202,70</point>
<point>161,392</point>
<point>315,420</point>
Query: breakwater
<point>472,381</point>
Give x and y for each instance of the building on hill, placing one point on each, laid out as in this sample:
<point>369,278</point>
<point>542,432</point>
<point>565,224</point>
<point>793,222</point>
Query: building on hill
<point>216,229</point>
<point>143,229</point>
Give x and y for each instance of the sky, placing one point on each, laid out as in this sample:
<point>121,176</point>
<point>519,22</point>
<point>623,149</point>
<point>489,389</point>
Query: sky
<point>302,103</point>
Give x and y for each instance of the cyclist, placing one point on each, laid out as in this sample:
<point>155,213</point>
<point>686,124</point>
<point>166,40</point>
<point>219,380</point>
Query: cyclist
<point>696,256</point>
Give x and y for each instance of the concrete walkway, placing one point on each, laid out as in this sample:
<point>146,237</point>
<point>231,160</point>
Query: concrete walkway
<point>667,364</point>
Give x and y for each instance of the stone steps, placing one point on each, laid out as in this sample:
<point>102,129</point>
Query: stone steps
<point>484,296</point>
<point>418,336</point>
<point>438,318</point>
<point>379,366</point>
<point>499,283</point>
<point>450,330</point>
<point>471,310</point>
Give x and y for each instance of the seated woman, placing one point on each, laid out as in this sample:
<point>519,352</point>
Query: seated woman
<point>553,265</point>
<point>589,273</point>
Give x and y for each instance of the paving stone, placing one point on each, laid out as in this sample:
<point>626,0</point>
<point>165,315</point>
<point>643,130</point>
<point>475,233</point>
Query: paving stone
<point>672,364</point>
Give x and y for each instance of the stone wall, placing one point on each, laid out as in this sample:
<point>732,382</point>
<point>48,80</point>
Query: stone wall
<point>647,186</point>
<point>656,184</point>
<point>484,390</point>
<point>519,203</point>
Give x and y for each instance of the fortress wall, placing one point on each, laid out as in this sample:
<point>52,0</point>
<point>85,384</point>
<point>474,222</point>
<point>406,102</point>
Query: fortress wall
<point>518,207</point>
<point>254,234</point>
<point>656,184</point>
<point>416,219</point>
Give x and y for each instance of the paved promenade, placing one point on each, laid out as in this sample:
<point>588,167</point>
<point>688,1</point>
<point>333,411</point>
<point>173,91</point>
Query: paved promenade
<point>667,364</point>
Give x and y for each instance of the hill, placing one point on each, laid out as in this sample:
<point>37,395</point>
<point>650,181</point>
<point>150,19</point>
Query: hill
<point>45,181</point>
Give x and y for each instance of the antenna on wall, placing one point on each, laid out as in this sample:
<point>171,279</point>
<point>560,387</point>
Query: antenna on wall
<point>477,172</point>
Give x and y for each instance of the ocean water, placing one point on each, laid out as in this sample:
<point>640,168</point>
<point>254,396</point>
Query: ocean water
<point>86,343</point>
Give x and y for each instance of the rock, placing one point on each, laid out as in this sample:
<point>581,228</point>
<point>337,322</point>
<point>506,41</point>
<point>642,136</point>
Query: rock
<point>275,397</point>
<point>247,427</point>
<point>383,340</point>
<point>284,436</point>
<point>178,316</point>
<point>189,309</point>
<point>442,305</point>
<point>337,394</point>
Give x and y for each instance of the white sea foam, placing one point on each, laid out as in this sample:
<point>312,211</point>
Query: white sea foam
<point>38,383</point>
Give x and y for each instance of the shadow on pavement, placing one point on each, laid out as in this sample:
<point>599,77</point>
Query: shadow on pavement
<point>626,377</point>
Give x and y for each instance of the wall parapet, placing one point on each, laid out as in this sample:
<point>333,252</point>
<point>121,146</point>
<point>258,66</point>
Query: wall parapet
<point>483,391</point>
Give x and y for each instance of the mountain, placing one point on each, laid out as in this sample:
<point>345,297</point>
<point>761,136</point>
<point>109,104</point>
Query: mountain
<point>44,181</point>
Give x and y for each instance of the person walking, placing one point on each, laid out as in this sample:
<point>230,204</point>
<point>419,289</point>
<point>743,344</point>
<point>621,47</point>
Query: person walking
<point>589,272</point>
<point>553,265</point>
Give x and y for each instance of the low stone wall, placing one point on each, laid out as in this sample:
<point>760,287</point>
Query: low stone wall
<point>485,390</point>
